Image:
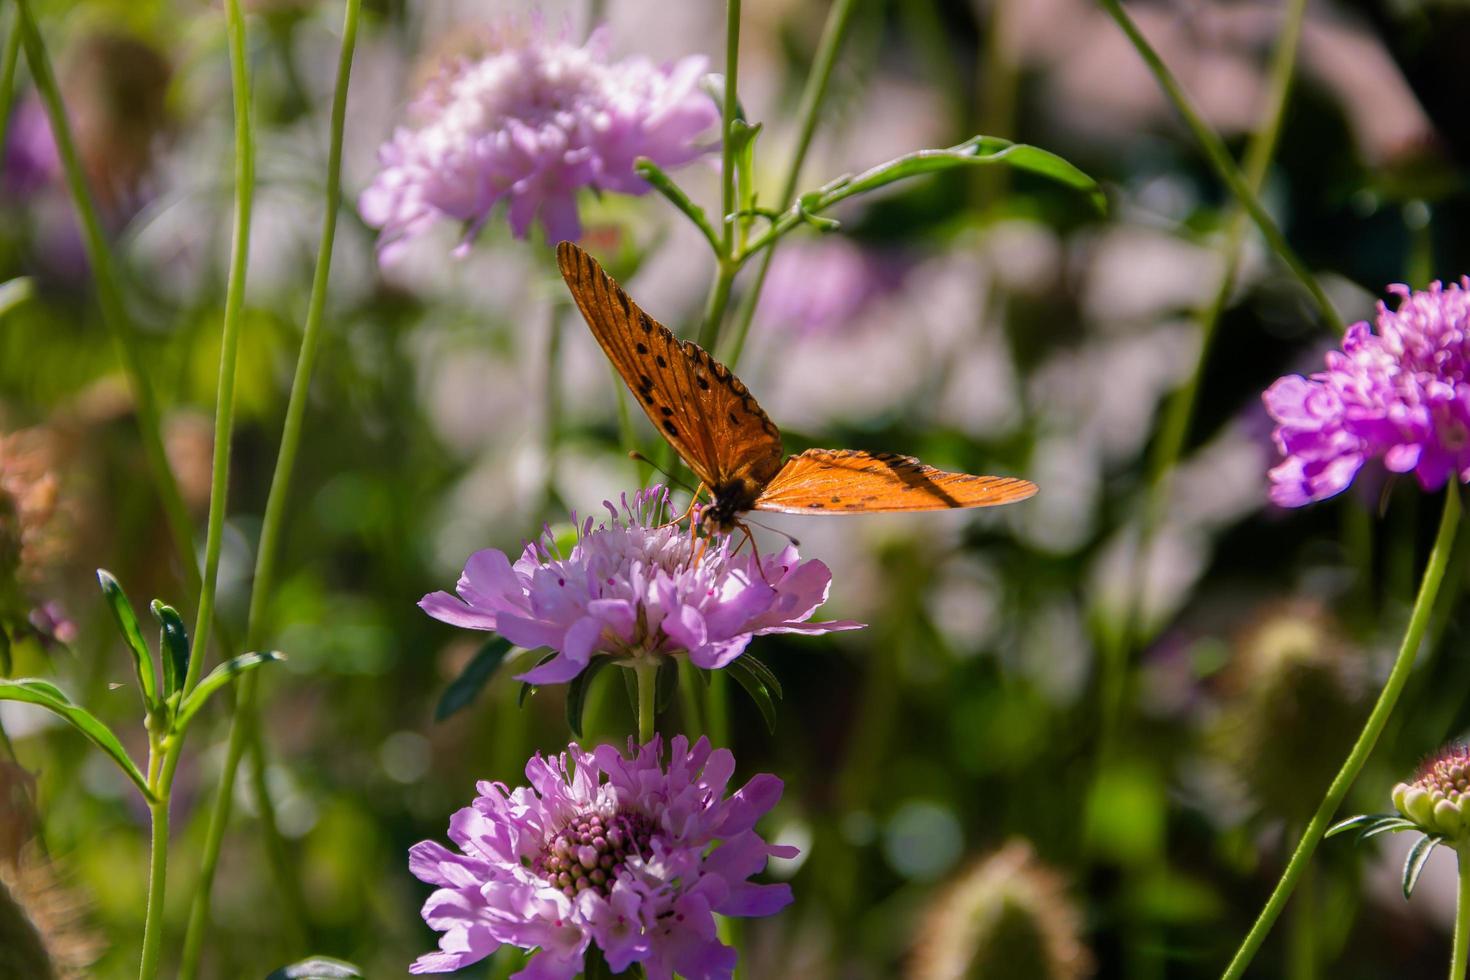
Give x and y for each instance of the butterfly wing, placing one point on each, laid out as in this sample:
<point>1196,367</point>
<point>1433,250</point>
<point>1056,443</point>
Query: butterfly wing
<point>849,481</point>
<point>698,405</point>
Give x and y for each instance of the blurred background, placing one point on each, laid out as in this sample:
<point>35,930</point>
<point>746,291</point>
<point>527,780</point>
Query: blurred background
<point>1100,749</point>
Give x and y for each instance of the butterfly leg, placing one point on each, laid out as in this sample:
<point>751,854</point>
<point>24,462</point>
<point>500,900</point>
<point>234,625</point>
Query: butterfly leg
<point>693,503</point>
<point>755,549</point>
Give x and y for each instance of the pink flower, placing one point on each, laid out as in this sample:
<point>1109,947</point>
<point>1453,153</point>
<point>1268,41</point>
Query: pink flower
<point>613,850</point>
<point>636,587</point>
<point>531,123</point>
<point>1401,394</point>
<point>820,286</point>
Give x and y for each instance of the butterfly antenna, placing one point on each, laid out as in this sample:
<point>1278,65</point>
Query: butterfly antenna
<point>776,530</point>
<point>638,457</point>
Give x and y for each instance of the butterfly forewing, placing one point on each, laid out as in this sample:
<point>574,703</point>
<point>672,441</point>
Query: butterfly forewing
<point>693,400</point>
<point>848,481</point>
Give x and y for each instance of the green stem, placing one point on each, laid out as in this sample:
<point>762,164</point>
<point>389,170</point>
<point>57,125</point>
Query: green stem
<point>727,126</point>
<point>224,412</point>
<point>157,882</point>
<point>647,671</point>
<point>1461,954</point>
<point>245,725</point>
<point>716,303</point>
<point>109,294</point>
<point>9,61</point>
<point>1402,666</point>
<point>552,394</point>
<point>717,709</point>
<point>1224,167</point>
<point>808,114</point>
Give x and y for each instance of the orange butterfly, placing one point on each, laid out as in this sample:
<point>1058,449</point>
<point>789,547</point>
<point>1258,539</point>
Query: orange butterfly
<point>714,423</point>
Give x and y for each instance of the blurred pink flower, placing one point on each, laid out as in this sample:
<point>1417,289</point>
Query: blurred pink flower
<point>532,122</point>
<point>615,850</point>
<point>634,587</point>
<point>1401,394</point>
<point>818,286</point>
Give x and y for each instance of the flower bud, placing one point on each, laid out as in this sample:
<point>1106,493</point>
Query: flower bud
<point>1438,798</point>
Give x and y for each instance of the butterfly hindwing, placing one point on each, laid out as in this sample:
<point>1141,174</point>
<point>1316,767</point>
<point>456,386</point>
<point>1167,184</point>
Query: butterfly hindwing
<point>849,481</point>
<point>694,401</point>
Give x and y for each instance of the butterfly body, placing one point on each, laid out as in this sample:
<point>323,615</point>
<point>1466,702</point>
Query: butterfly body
<point>717,427</point>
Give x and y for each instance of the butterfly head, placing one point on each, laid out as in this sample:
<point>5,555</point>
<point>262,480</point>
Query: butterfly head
<point>731,500</point>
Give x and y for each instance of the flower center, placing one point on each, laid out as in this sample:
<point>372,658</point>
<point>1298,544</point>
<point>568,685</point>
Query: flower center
<point>590,851</point>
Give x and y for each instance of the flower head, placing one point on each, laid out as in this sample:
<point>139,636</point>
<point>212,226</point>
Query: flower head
<point>1401,394</point>
<point>606,848</point>
<point>531,122</point>
<point>635,586</point>
<point>1009,915</point>
<point>1438,798</point>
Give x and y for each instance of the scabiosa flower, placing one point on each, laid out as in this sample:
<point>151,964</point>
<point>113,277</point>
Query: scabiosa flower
<point>606,848</point>
<point>531,122</point>
<point>636,587</point>
<point>1400,394</point>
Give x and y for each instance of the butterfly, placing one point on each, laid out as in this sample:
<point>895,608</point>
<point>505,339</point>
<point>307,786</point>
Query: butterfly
<point>717,427</point>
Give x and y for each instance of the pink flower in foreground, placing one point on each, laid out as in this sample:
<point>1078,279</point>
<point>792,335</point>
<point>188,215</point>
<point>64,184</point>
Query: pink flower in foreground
<point>1402,394</point>
<point>636,587</point>
<point>531,123</point>
<point>614,850</point>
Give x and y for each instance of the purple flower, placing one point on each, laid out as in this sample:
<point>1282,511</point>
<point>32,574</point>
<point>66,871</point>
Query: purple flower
<point>634,587</point>
<point>1401,394</point>
<point>615,850</point>
<point>31,158</point>
<point>819,286</point>
<point>531,123</point>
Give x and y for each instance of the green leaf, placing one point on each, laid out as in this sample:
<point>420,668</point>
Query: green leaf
<point>217,679</point>
<point>675,195</point>
<point>15,292</point>
<point>665,684</point>
<point>318,968</point>
<point>577,692</point>
<point>978,151</point>
<point>756,688</point>
<point>767,676</point>
<point>127,624</point>
<point>1414,865</point>
<point>528,689</point>
<point>742,144</point>
<point>173,647</point>
<point>1387,826</point>
<point>1343,826</point>
<point>52,698</point>
<point>462,692</point>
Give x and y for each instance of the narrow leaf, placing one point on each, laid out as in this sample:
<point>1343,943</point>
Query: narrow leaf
<point>463,690</point>
<point>768,677</point>
<point>1414,865</point>
<point>1386,827</point>
<point>675,195</point>
<point>132,633</point>
<point>217,679</point>
<point>15,292</point>
<point>577,692</point>
<point>173,647</point>
<point>1343,826</point>
<point>756,688</point>
<point>529,689</point>
<point>51,697</point>
<point>318,968</point>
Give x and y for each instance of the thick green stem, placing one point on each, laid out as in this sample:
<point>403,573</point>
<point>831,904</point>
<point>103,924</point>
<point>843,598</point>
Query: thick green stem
<point>647,671</point>
<point>245,725</point>
<point>716,304</point>
<point>157,881</point>
<point>109,294</point>
<point>1220,161</point>
<point>808,114</point>
<point>1403,665</point>
<point>1461,953</point>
